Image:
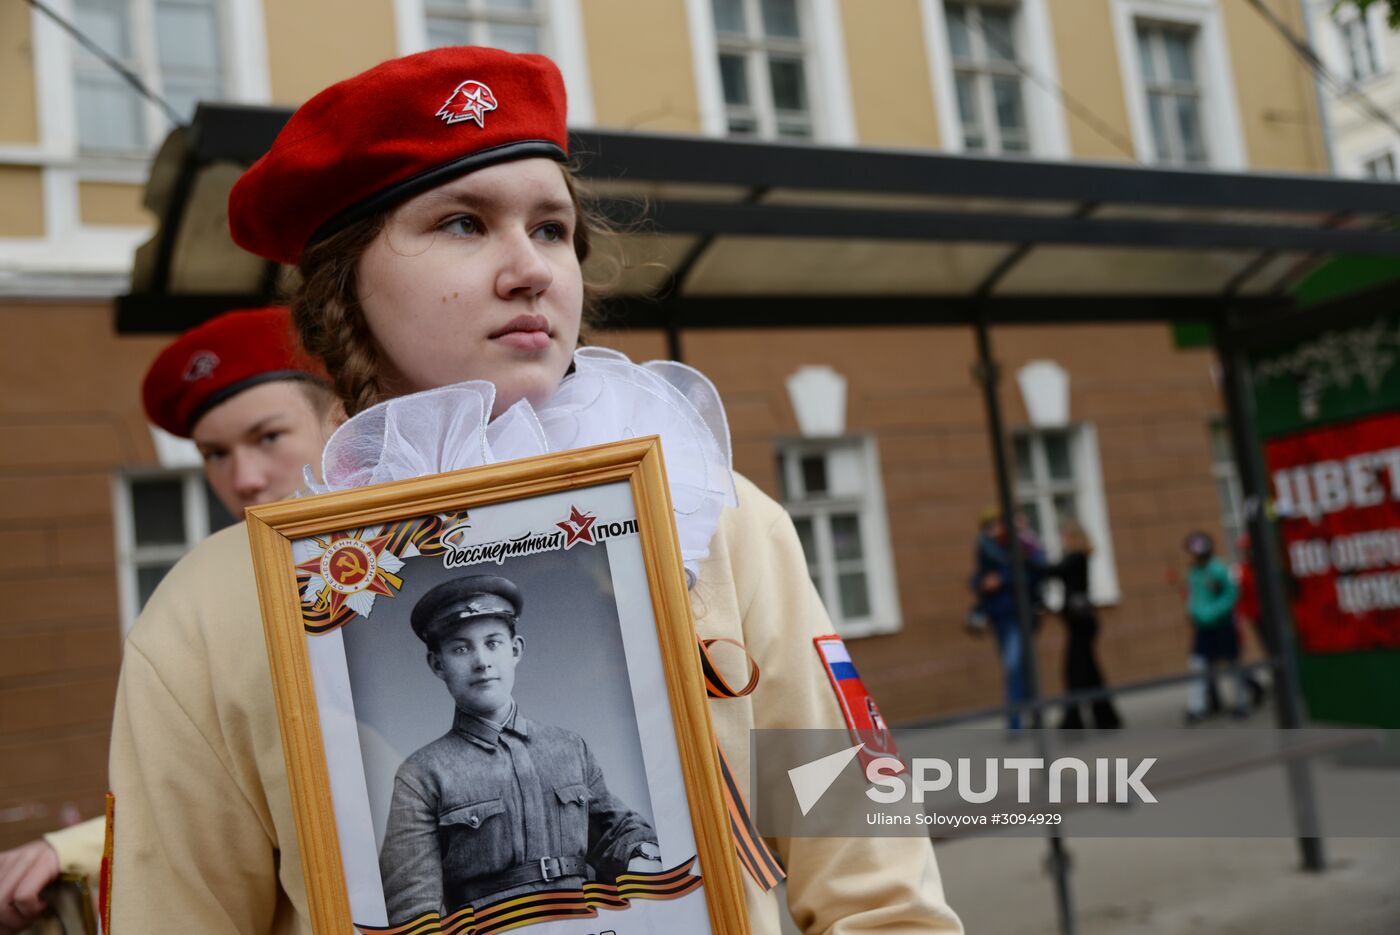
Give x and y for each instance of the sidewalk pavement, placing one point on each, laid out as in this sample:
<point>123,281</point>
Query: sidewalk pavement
<point>1175,886</point>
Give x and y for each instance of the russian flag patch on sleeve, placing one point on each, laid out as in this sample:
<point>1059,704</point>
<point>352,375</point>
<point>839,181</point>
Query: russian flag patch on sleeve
<point>857,707</point>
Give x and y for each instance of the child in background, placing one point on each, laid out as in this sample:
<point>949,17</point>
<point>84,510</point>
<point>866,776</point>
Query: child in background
<point>1211,595</point>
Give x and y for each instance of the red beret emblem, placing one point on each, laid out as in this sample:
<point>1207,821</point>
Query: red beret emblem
<point>471,101</point>
<point>201,366</point>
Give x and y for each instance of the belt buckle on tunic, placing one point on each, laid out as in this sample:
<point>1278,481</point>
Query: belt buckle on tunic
<point>544,868</point>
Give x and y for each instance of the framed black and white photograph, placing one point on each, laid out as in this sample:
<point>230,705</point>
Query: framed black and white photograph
<point>492,704</point>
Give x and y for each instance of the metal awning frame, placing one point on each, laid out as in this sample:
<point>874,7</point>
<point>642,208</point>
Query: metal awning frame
<point>1315,217</point>
<point>1319,217</point>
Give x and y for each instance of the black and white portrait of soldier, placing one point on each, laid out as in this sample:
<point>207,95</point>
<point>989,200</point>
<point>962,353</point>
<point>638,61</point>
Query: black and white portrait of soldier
<point>500,805</point>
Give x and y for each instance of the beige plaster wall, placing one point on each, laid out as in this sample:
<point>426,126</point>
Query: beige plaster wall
<point>22,194</point>
<point>891,88</point>
<point>112,203</point>
<point>639,57</point>
<point>314,43</point>
<point>19,118</point>
<point>1277,103</point>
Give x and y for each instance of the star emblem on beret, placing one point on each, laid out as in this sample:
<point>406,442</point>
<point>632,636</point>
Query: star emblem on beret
<point>201,366</point>
<point>472,101</point>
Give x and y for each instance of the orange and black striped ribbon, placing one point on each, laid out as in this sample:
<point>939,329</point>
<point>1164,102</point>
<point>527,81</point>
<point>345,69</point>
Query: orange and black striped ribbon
<point>715,683</point>
<point>754,853</point>
<point>551,905</point>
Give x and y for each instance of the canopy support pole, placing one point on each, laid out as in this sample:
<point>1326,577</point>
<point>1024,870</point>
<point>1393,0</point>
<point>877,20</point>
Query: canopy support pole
<point>988,376</point>
<point>1273,599</point>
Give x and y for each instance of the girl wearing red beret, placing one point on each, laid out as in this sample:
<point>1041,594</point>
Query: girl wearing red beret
<point>440,240</point>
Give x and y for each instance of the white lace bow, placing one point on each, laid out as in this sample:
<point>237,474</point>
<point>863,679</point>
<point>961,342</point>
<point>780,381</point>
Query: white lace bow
<point>606,398</point>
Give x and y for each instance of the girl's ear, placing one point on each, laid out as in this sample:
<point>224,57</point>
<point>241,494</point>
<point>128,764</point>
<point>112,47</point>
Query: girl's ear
<point>517,645</point>
<point>435,663</point>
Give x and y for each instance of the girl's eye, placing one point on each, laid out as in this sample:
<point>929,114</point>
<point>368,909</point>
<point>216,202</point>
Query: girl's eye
<point>551,232</point>
<point>271,438</point>
<point>210,457</point>
<point>463,226</point>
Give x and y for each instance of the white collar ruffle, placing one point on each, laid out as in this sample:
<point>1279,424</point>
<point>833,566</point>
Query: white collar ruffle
<point>606,398</point>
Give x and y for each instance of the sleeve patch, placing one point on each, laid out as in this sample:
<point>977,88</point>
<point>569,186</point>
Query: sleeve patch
<point>862,715</point>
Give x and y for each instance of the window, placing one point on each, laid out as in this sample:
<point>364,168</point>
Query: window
<point>1382,168</point>
<point>545,27</point>
<point>991,106</point>
<point>763,68</point>
<point>1360,44</point>
<point>1227,487</point>
<point>1179,82</point>
<point>173,45</point>
<point>1045,484</point>
<point>160,516</point>
<point>514,25</point>
<point>1167,58</point>
<point>1058,480</point>
<point>832,490</point>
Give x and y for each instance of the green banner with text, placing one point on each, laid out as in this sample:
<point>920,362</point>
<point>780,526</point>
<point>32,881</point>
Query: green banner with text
<point>1327,417</point>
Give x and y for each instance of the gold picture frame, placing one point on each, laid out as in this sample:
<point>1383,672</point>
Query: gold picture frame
<point>477,514</point>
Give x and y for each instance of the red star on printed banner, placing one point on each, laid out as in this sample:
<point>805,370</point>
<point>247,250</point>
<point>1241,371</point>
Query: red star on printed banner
<point>578,527</point>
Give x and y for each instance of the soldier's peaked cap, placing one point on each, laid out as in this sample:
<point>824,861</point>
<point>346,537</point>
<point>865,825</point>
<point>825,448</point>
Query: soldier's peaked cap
<point>461,600</point>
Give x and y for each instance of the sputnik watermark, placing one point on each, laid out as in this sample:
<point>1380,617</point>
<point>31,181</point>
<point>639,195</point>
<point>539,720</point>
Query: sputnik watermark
<point>1114,780</point>
<point>1135,782</point>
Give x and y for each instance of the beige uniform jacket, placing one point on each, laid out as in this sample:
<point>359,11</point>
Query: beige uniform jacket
<point>204,834</point>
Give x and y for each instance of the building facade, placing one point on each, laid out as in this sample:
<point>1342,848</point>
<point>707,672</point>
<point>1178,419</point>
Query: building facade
<point>1361,53</point>
<point>874,438</point>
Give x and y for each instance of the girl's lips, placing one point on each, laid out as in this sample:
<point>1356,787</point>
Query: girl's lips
<point>525,340</point>
<point>525,333</point>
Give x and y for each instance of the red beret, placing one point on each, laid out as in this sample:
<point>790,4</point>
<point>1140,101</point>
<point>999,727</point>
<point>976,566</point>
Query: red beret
<point>394,131</point>
<point>222,357</point>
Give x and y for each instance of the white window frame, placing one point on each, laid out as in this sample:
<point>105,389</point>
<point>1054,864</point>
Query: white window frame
<point>827,74</point>
<point>242,32</point>
<point>878,559</point>
<point>564,42</point>
<point>1154,35</point>
<point>1225,147</point>
<point>1045,112</point>
<point>144,58</point>
<point>77,260</point>
<point>130,556</point>
<point>1372,22</point>
<point>1087,486</point>
<point>1370,158</point>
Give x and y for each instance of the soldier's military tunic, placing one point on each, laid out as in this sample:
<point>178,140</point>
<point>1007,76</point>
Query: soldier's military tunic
<point>79,848</point>
<point>488,812</point>
<point>205,835</point>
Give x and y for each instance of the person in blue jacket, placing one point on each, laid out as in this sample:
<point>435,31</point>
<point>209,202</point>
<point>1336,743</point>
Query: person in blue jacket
<point>996,601</point>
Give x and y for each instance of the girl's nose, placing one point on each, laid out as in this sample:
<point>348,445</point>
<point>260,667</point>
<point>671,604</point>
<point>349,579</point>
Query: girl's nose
<point>524,272</point>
